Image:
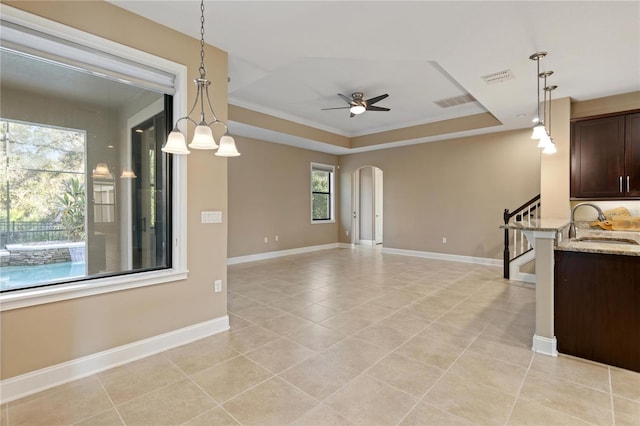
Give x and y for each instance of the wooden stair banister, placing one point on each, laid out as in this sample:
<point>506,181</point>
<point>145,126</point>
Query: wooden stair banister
<point>526,212</point>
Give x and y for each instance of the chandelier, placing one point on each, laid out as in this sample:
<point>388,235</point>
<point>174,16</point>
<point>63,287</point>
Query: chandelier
<point>203,135</point>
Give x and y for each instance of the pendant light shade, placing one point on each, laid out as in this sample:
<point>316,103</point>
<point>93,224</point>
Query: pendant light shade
<point>203,138</point>
<point>128,174</point>
<point>544,141</point>
<point>550,148</point>
<point>176,143</point>
<point>227,147</point>
<point>102,171</point>
<point>539,132</point>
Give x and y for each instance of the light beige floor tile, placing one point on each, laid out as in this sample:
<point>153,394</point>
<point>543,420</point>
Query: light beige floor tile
<point>290,304</point>
<point>237,303</point>
<point>503,350</point>
<point>260,314</point>
<point>106,418</point>
<point>433,352</point>
<point>489,371</point>
<point>346,323</point>
<point>625,383</point>
<point>201,354</point>
<point>470,400</point>
<point>250,338</point>
<point>315,312</point>
<point>366,401</point>
<point>214,417</point>
<point>237,322</point>
<point>371,312</point>
<point>322,415</point>
<point>395,301</point>
<point>280,355</point>
<point>427,415</point>
<point>319,376</point>
<point>318,337</point>
<point>286,325</point>
<point>140,377</point>
<point>626,412</point>
<point>382,335</point>
<point>64,404</point>
<point>573,369</point>
<point>356,353</point>
<point>576,400</point>
<point>402,320</point>
<point>171,405</point>
<point>226,380</point>
<point>532,414</point>
<point>405,374</point>
<point>271,403</point>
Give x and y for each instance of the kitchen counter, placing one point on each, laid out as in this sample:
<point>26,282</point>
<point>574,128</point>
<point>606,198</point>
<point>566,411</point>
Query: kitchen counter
<point>602,242</point>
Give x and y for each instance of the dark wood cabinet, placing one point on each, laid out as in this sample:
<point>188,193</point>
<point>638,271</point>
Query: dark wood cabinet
<point>605,157</point>
<point>597,307</point>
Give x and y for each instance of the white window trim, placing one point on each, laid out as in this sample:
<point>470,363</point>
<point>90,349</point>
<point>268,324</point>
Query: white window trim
<point>328,168</point>
<point>54,293</point>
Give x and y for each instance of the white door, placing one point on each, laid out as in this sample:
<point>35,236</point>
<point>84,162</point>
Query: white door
<point>377,204</point>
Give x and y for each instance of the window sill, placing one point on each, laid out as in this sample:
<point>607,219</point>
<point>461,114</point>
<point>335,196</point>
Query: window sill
<point>316,222</point>
<point>38,296</point>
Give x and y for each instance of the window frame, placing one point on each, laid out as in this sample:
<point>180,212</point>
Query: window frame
<point>332,198</point>
<point>94,286</point>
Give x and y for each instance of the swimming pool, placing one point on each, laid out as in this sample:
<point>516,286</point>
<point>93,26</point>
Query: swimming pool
<point>15,277</point>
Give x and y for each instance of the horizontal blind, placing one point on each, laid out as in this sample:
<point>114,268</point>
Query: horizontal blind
<point>46,47</point>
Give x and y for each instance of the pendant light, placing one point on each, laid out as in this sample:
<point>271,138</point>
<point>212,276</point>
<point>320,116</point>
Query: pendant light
<point>538,130</point>
<point>202,136</point>
<point>550,148</point>
<point>545,139</point>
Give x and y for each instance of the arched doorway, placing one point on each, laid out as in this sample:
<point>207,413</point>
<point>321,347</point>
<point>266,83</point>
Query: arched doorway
<point>367,206</point>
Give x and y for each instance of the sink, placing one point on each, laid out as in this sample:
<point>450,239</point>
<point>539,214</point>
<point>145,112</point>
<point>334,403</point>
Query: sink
<point>607,240</point>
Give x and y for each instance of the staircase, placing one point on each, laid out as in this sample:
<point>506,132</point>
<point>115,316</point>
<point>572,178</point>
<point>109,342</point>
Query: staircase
<point>517,250</point>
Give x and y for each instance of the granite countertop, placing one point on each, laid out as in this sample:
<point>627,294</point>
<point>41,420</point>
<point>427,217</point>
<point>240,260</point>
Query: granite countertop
<point>550,224</point>
<point>603,242</point>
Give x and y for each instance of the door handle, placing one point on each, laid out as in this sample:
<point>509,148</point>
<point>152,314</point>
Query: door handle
<point>620,183</point>
<point>627,183</point>
<point>144,224</point>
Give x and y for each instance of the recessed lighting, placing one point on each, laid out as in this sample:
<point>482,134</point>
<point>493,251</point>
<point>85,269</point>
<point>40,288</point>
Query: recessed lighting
<point>110,146</point>
<point>139,130</point>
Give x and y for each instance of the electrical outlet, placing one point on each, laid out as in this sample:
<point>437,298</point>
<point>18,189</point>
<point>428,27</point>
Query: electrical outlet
<point>276,238</point>
<point>217,284</point>
<point>444,240</point>
<point>266,240</point>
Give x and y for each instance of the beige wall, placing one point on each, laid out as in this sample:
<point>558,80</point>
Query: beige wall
<point>456,189</point>
<point>269,195</point>
<point>44,335</point>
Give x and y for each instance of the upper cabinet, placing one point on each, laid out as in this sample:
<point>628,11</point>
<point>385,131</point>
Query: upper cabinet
<point>605,157</point>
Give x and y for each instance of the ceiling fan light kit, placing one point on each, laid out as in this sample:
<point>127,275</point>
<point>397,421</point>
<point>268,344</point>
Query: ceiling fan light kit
<point>357,105</point>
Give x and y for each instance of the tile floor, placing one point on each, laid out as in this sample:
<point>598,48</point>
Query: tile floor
<point>344,337</point>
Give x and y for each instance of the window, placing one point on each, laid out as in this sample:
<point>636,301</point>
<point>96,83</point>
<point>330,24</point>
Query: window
<point>87,203</point>
<point>322,197</point>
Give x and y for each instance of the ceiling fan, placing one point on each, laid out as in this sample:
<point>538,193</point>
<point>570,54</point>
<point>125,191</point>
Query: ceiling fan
<point>357,105</point>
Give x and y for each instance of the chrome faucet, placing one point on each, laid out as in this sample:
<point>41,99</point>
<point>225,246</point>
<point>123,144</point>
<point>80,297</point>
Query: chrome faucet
<point>572,224</point>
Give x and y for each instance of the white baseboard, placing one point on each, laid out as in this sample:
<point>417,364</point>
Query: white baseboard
<point>545,345</point>
<point>279,253</point>
<point>45,378</point>
<point>444,256</point>
<point>346,245</point>
<point>367,242</point>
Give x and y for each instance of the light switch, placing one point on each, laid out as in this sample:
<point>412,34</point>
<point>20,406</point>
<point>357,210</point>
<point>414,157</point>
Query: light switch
<point>211,217</point>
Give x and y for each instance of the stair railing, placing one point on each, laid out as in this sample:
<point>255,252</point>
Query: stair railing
<point>526,213</point>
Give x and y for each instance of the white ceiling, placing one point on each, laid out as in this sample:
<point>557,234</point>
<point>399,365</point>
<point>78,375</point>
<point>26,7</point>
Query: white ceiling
<point>291,58</point>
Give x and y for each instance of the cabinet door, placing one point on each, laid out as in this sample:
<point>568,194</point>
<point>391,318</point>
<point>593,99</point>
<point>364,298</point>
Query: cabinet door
<point>597,158</point>
<point>632,155</point>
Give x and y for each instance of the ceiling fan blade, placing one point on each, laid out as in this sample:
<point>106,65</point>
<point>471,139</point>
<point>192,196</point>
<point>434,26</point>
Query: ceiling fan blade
<point>327,109</point>
<point>376,99</point>
<point>376,108</point>
<point>346,99</point>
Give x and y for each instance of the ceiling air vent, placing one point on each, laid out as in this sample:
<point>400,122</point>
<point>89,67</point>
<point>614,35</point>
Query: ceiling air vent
<point>497,77</point>
<point>456,100</point>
